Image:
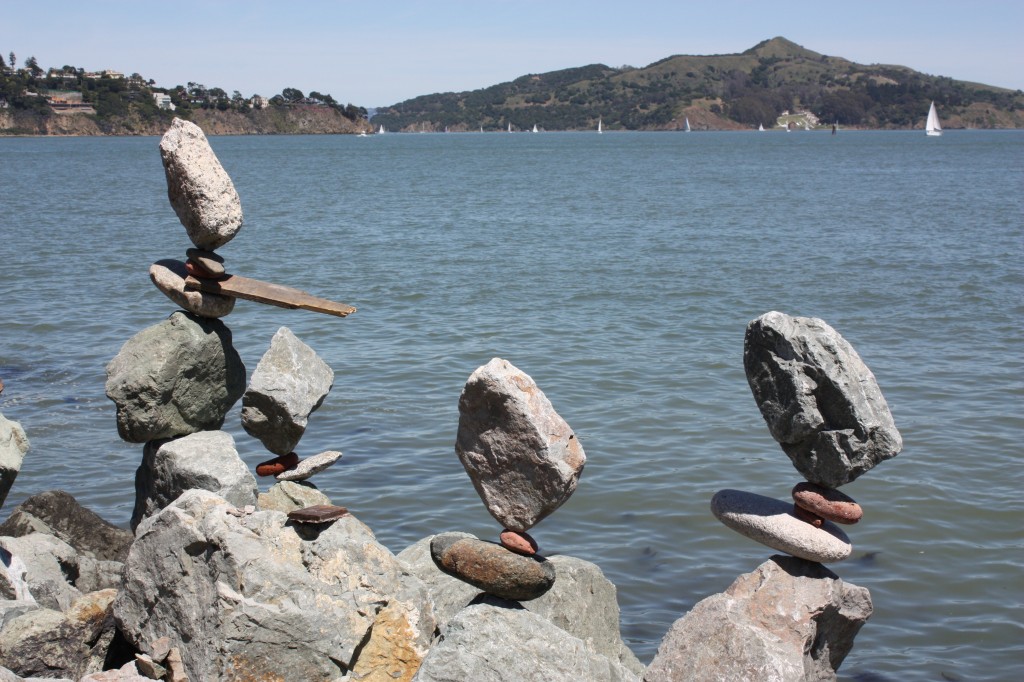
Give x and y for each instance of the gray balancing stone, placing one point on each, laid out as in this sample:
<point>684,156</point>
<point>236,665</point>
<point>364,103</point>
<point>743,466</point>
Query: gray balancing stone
<point>311,465</point>
<point>289,383</point>
<point>200,191</point>
<point>175,378</point>
<point>787,620</point>
<point>522,457</point>
<point>13,446</point>
<point>820,401</point>
<point>168,276</point>
<point>202,461</point>
<point>772,523</point>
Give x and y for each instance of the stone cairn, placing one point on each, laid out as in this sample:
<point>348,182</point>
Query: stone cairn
<point>174,383</point>
<point>524,462</point>
<point>824,407</point>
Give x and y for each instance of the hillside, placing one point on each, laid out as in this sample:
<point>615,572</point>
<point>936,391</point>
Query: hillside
<point>721,92</point>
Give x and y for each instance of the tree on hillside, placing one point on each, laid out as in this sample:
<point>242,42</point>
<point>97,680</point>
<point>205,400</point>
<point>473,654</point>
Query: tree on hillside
<point>292,95</point>
<point>12,60</point>
<point>33,67</point>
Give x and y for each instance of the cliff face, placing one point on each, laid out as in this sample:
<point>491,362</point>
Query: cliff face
<point>270,121</point>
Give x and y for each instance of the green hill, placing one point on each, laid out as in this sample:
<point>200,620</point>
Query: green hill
<point>732,91</point>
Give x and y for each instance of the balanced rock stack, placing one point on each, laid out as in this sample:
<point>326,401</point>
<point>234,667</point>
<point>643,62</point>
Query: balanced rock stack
<point>823,406</point>
<point>524,462</point>
<point>289,384</point>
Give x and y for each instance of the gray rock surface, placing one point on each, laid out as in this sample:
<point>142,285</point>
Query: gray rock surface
<point>57,513</point>
<point>522,457</point>
<point>310,466</point>
<point>448,595</point>
<point>48,643</point>
<point>13,446</point>
<point>128,672</point>
<point>289,383</point>
<point>490,643</point>
<point>169,275</point>
<point>198,187</point>
<point>50,567</point>
<point>492,568</point>
<point>286,496</point>
<point>13,608</point>
<point>253,597</point>
<point>788,620</point>
<point>174,378</point>
<point>820,401</point>
<point>201,461</point>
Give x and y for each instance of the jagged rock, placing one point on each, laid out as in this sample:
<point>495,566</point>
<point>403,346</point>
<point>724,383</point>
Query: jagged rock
<point>199,189</point>
<point>169,275</point>
<point>13,578</point>
<point>253,597</point>
<point>390,654</point>
<point>492,568</point>
<point>790,619</point>
<point>522,457</point>
<point>50,568</point>
<point>174,378</point>
<point>13,608</point>
<point>447,594</point>
<point>57,513</point>
<point>205,461</point>
<point>129,672</point>
<point>820,401</point>
<point>490,643</point>
<point>13,446</point>
<point>48,643</point>
<point>286,496</point>
<point>289,383</point>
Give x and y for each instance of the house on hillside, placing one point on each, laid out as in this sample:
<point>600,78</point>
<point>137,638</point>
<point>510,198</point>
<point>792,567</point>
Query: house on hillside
<point>163,101</point>
<point>259,102</point>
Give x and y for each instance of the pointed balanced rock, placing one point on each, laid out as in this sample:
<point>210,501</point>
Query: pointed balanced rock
<point>820,401</point>
<point>491,567</point>
<point>198,187</point>
<point>772,523</point>
<point>827,503</point>
<point>522,457</point>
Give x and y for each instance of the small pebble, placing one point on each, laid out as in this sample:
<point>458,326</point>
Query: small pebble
<point>827,503</point>
<point>278,465</point>
<point>518,542</point>
<point>318,513</point>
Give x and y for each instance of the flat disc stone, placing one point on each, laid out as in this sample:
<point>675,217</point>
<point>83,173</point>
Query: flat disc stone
<point>772,523</point>
<point>169,277</point>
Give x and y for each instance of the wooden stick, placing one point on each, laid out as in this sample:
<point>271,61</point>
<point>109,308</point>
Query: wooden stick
<point>267,292</point>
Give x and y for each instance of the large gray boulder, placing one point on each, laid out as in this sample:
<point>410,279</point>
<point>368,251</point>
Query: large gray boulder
<point>522,457</point>
<point>820,401</point>
<point>492,643</point>
<point>175,378</point>
<point>256,597</point>
<point>59,514</point>
<point>448,595</point>
<point>50,568</point>
<point>13,446</point>
<point>201,461</point>
<point>788,620</point>
<point>289,383</point>
<point>200,190</point>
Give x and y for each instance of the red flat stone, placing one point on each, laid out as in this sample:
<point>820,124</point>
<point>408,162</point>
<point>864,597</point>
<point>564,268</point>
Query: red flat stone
<point>808,517</point>
<point>318,513</point>
<point>827,503</point>
<point>278,465</point>
<point>518,542</point>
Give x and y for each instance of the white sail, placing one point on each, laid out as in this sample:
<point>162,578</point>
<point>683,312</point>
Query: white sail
<point>599,126</point>
<point>760,127</point>
<point>687,124</point>
<point>381,131</point>
<point>534,127</point>
<point>932,127</point>
<point>510,126</point>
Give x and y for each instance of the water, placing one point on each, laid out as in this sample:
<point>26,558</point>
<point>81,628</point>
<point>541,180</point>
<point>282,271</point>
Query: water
<point>617,270</point>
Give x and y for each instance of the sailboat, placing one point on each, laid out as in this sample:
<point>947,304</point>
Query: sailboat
<point>510,126</point>
<point>932,127</point>
<point>381,131</point>
<point>760,127</point>
<point>687,124</point>
<point>599,131</point>
<point>535,128</point>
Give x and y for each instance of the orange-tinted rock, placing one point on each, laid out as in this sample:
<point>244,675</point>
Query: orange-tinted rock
<point>278,465</point>
<point>827,503</point>
<point>518,542</point>
<point>492,568</point>
<point>807,517</point>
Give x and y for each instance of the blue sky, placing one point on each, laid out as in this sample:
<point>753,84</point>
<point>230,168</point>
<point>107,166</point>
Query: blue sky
<point>378,53</point>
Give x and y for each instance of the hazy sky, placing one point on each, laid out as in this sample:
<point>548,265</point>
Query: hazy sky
<point>378,53</point>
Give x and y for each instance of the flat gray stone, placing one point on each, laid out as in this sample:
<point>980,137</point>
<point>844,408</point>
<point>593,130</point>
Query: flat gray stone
<point>175,378</point>
<point>310,466</point>
<point>772,523</point>
<point>287,496</point>
<point>212,262</point>
<point>289,383</point>
<point>13,446</point>
<point>522,457</point>
<point>820,401</point>
<point>198,187</point>
<point>169,277</point>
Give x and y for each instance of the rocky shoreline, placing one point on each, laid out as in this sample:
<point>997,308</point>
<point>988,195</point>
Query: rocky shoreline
<point>216,580</point>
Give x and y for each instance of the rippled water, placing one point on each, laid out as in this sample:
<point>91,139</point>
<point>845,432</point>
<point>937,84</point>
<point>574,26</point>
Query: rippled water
<point>619,271</point>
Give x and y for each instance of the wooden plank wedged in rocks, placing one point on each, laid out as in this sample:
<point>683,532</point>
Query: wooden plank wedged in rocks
<point>267,292</point>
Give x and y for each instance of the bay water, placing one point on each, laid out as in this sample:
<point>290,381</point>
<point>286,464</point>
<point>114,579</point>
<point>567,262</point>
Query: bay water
<point>619,271</point>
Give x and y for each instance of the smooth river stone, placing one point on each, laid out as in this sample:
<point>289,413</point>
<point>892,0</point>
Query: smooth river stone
<point>198,187</point>
<point>169,277</point>
<point>522,457</point>
<point>827,503</point>
<point>772,523</point>
<point>491,567</point>
<point>818,398</point>
<point>210,261</point>
<point>520,543</point>
<point>310,466</point>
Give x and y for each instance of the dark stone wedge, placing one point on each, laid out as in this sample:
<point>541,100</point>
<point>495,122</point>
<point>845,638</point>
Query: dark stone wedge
<point>318,513</point>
